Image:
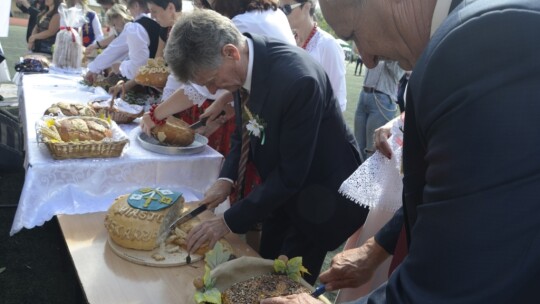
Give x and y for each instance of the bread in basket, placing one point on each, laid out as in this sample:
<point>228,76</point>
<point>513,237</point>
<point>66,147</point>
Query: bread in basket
<point>81,137</point>
<point>117,109</point>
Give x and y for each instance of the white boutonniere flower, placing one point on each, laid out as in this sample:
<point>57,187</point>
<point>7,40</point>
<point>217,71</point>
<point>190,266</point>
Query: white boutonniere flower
<point>255,125</point>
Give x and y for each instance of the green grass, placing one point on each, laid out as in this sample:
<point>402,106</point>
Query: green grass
<point>14,46</point>
<point>354,85</point>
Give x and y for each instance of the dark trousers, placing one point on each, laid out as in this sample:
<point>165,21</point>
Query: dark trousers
<point>279,237</point>
<point>358,62</point>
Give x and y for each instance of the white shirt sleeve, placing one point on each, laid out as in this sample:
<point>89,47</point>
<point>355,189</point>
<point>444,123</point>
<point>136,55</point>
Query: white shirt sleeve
<point>115,52</point>
<point>137,42</point>
<point>333,62</point>
<point>96,26</point>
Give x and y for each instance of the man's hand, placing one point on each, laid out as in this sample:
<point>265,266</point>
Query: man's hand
<point>380,138</point>
<point>217,194</point>
<point>301,298</point>
<point>209,231</point>
<point>354,267</point>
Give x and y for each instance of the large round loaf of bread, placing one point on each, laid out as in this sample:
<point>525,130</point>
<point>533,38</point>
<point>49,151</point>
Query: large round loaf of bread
<point>134,228</point>
<point>174,132</point>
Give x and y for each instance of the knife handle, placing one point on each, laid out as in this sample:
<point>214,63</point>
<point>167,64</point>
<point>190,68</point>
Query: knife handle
<point>318,291</point>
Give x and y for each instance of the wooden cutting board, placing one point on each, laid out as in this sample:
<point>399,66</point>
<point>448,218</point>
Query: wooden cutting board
<point>144,257</point>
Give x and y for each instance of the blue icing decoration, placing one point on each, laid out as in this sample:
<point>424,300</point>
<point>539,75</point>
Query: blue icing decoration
<point>153,199</point>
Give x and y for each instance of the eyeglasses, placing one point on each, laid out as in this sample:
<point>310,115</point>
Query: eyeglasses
<point>287,8</point>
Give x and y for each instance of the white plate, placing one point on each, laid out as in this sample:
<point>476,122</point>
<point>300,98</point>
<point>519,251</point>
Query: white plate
<point>151,144</point>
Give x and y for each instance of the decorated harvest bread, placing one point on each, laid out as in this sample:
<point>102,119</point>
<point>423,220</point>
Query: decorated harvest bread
<point>153,74</point>
<point>135,228</point>
<point>253,290</point>
<point>70,109</point>
<point>174,132</point>
<point>76,129</point>
<point>248,280</point>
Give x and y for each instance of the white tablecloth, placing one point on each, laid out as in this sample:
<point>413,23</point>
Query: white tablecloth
<point>80,186</point>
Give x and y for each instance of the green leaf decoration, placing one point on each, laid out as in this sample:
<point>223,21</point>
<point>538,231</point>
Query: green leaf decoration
<point>209,296</point>
<point>293,268</point>
<point>213,296</point>
<point>207,278</point>
<point>280,266</point>
<point>294,276</point>
<point>199,297</point>
<point>303,270</point>
<point>293,265</point>
<point>216,256</point>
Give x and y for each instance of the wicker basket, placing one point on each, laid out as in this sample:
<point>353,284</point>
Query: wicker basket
<point>112,147</point>
<point>89,149</point>
<point>115,114</point>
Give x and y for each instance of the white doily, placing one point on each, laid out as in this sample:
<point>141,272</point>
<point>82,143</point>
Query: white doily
<point>377,183</point>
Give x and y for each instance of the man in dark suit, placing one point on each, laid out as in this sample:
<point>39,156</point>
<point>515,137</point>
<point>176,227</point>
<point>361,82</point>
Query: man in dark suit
<point>300,145</point>
<point>471,146</point>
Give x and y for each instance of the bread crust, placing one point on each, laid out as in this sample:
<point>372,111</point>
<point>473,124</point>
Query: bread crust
<point>174,132</point>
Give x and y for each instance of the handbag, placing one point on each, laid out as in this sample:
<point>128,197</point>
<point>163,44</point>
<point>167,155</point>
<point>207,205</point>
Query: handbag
<point>43,46</point>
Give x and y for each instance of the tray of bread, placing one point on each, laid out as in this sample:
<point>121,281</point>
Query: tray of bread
<point>118,110</point>
<point>174,137</point>
<point>81,137</point>
<point>134,220</point>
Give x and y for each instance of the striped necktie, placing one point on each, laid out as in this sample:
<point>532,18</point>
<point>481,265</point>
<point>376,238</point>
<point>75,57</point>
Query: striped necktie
<point>244,150</point>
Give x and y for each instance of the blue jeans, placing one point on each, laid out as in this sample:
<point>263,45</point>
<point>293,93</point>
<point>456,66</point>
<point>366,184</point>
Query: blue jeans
<point>373,111</point>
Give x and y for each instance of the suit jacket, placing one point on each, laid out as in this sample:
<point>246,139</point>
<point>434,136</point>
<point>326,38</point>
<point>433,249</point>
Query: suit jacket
<point>307,153</point>
<point>471,174</point>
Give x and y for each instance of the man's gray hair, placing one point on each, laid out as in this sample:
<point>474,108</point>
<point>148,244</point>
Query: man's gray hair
<point>195,43</point>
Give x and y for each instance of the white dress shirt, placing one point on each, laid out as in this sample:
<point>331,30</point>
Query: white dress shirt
<point>326,50</point>
<point>130,47</point>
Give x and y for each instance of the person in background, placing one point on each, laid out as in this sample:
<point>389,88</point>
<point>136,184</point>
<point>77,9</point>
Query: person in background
<point>318,43</point>
<point>91,31</point>
<point>294,149</point>
<point>33,10</point>
<point>470,210</point>
<point>48,24</point>
<point>359,62</point>
<point>138,42</point>
<point>377,103</point>
<point>111,34</point>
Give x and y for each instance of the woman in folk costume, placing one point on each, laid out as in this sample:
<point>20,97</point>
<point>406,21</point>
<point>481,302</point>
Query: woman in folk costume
<point>91,30</point>
<point>132,48</point>
<point>377,185</point>
<point>318,43</point>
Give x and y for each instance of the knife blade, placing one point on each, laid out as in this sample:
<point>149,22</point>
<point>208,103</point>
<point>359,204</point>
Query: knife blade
<point>166,229</point>
<point>202,121</point>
